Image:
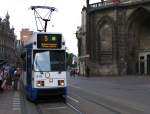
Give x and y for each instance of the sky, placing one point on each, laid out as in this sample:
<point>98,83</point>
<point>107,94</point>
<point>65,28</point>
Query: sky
<point>65,20</point>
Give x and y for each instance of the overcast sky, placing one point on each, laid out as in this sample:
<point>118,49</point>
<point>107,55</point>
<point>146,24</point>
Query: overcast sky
<point>65,20</point>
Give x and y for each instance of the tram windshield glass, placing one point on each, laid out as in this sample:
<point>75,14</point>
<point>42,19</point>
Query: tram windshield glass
<point>46,60</point>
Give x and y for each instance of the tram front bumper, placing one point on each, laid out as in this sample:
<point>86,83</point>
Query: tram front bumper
<point>51,92</point>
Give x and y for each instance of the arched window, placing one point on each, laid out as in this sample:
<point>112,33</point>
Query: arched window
<point>105,38</point>
<point>105,34</point>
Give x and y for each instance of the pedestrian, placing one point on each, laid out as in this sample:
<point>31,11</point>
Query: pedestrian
<point>1,79</point>
<point>8,81</point>
<point>72,72</point>
<point>11,72</point>
<point>87,71</point>
<point>17,74</point>
<point>4,78</point>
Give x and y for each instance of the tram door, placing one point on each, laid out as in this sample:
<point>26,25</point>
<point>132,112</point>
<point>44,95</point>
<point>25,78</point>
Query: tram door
<point>28,65</point>
<point>142,65</point>
<point>148,64</point>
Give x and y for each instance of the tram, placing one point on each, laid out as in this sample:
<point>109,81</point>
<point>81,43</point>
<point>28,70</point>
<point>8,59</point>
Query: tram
<point>44,71</point>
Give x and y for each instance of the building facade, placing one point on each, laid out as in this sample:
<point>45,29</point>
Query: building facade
<point>7,42</point>
<point>117,37</point>
<point>25,35</point>
<point>81,37</point>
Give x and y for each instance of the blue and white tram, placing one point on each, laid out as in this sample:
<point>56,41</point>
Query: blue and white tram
<point>44,66</point>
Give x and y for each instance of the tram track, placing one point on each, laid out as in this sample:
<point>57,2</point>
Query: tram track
<point>74,108</point>
<point>29,107</point>
<point>49,106</point>
<point>75,105</point>
<point>54,107</point>
<point>101,105</point>
<point>114,111</point>
<point>112,105</point>
<point>38,108</point>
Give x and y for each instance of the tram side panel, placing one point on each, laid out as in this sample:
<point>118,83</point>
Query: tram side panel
<point>26,79</point>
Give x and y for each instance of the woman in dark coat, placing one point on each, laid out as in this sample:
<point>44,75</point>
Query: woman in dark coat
<point>8,81</point>
<point>87,71</point>
<point>1,80</point>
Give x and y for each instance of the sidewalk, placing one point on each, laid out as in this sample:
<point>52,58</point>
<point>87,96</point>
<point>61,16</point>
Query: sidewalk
<point>10,102</point>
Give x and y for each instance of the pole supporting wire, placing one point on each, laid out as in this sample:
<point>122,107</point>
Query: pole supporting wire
<point>39,18</point>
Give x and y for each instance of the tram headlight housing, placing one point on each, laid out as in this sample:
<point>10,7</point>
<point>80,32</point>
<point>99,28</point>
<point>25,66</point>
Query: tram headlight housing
<point>61,82</point>
<point>40,83</point>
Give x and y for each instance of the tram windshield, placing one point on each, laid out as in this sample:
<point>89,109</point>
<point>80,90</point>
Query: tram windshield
<point>46,60</point>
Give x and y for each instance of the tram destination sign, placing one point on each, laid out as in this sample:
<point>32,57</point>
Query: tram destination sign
<point>49,41</point>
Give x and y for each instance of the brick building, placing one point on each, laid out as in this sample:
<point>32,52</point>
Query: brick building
<point>25,35</point>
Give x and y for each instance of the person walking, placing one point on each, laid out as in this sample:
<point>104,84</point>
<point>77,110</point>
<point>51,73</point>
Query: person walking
<point>16,78</point>
<point>87,71</point>
<point>4,78</point>
<point>11,73</point>
<point>8,81</point>
<point>1,80</point>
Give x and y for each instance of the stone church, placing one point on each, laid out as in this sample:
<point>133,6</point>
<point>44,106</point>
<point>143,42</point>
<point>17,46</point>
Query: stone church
<point>114,38</point>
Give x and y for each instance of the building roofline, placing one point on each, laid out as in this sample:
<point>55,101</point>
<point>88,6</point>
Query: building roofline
<point>98,6</point>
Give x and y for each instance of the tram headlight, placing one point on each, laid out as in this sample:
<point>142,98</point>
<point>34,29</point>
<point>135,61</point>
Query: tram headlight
<point>61,82</point>
<point>39,83</point>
